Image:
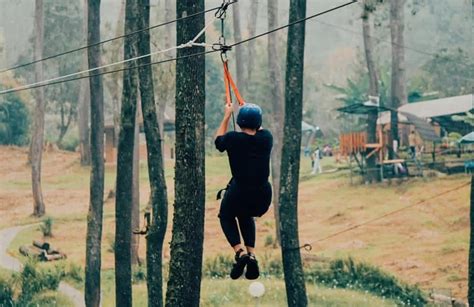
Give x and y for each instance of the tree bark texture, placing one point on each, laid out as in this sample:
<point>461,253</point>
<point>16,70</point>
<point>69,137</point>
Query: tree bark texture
<point>136,186</point>
<point>398,90</point>
<point>252,29</point>
<point>372,173</point>
<point>292,266</point>
<point>276,98</point>
<point>124,186</point>
<point>159,198</point>
<point>470,288</point>
<point>116,91</point>
<point>239,50</point>
<point>184,282</point>
<point>37,137</point>
<point>95,214</point>
<point>170,89</point>
<point>84,104</point>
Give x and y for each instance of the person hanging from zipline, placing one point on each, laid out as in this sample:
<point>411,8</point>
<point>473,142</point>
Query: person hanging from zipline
<point>248,194</point>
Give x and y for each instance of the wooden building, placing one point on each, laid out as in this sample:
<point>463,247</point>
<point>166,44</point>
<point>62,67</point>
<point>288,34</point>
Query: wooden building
<point>111,138</point>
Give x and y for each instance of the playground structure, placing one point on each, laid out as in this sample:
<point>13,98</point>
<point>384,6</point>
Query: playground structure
<point>428,126</point>
<point>353,145</point>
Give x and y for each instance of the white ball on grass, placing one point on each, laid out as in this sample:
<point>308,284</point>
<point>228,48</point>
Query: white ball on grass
<point>256,289</point>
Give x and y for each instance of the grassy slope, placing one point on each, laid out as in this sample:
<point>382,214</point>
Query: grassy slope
<point>425,245</point>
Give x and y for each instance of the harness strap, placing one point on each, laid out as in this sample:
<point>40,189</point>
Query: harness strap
<point>219,193</point>
<point>228,96</point>
<point>229,81</point>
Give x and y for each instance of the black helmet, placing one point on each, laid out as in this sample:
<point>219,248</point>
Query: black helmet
<point>250,116</point>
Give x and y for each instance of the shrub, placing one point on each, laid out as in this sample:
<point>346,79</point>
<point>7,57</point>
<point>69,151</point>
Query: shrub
<point>272,267</point>
<point>70,143</point>
<point>14,121</point>
<point>47,227</point>
<point>6,293</point>
<point>218,267</point>
<point>34,281</point>
<point>348,274</point>
<point>139,274</point>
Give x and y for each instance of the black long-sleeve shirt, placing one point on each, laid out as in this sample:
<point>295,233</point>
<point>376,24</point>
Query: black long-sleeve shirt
<point>249,155</point>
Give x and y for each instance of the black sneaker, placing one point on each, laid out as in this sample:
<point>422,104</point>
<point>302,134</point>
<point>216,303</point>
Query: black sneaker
<point>252,267</point>
<point>239,265</point>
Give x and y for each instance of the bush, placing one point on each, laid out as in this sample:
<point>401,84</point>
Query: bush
<point>139,274</point>
<point>348,274</point>
<point>14,121</point>
<point>70,143</point>
<point>218,267</point>
<point>34,281</point>
<point>6,293</point>
<point>47,227</point>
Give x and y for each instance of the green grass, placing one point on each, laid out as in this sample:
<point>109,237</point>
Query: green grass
<point>226,292</point>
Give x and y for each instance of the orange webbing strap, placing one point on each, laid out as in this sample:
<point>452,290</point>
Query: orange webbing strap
<point>228,97</point>
<point>228,80</point>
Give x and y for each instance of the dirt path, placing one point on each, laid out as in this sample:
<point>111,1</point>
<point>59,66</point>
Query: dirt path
<point>6,261</point>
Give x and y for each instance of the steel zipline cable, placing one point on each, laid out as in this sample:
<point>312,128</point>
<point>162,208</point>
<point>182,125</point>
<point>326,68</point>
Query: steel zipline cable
<point>308,246</point>
<point>71,77</point>
<point>111,39</point>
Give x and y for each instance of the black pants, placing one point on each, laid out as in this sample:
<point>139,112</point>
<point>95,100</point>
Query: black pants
<point>242,204</point>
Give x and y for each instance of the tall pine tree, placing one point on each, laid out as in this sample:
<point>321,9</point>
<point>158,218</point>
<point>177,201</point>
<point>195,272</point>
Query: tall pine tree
<point>95,216</point>
<point>398,88</point>
<point>368,8</point>
<point>184,282</point>
<point>290,164</point>
<point>124,186</point>
<point>159,199</point>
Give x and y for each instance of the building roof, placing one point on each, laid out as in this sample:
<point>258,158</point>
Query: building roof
<point>424,129</point>
<point>433,108</point>
<point>362,108</point>
<point>467,139</point>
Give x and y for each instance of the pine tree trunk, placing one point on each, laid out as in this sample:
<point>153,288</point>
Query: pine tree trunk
<point>398,90</point>
<point>276,97</point>
<point>470,291</point>
<point>84,104</point>
<point>159,198</point>
<point>136,186</point>
<point>95,215</point>
<point>252,29</point>
<point>37,137</point>
<point>169,42</point>
<point>116,94</point>
<point>292,266</point>
<point>184,282</point>
<point>124,186</point>
<point>239,50</point>
<point>372,173</point>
